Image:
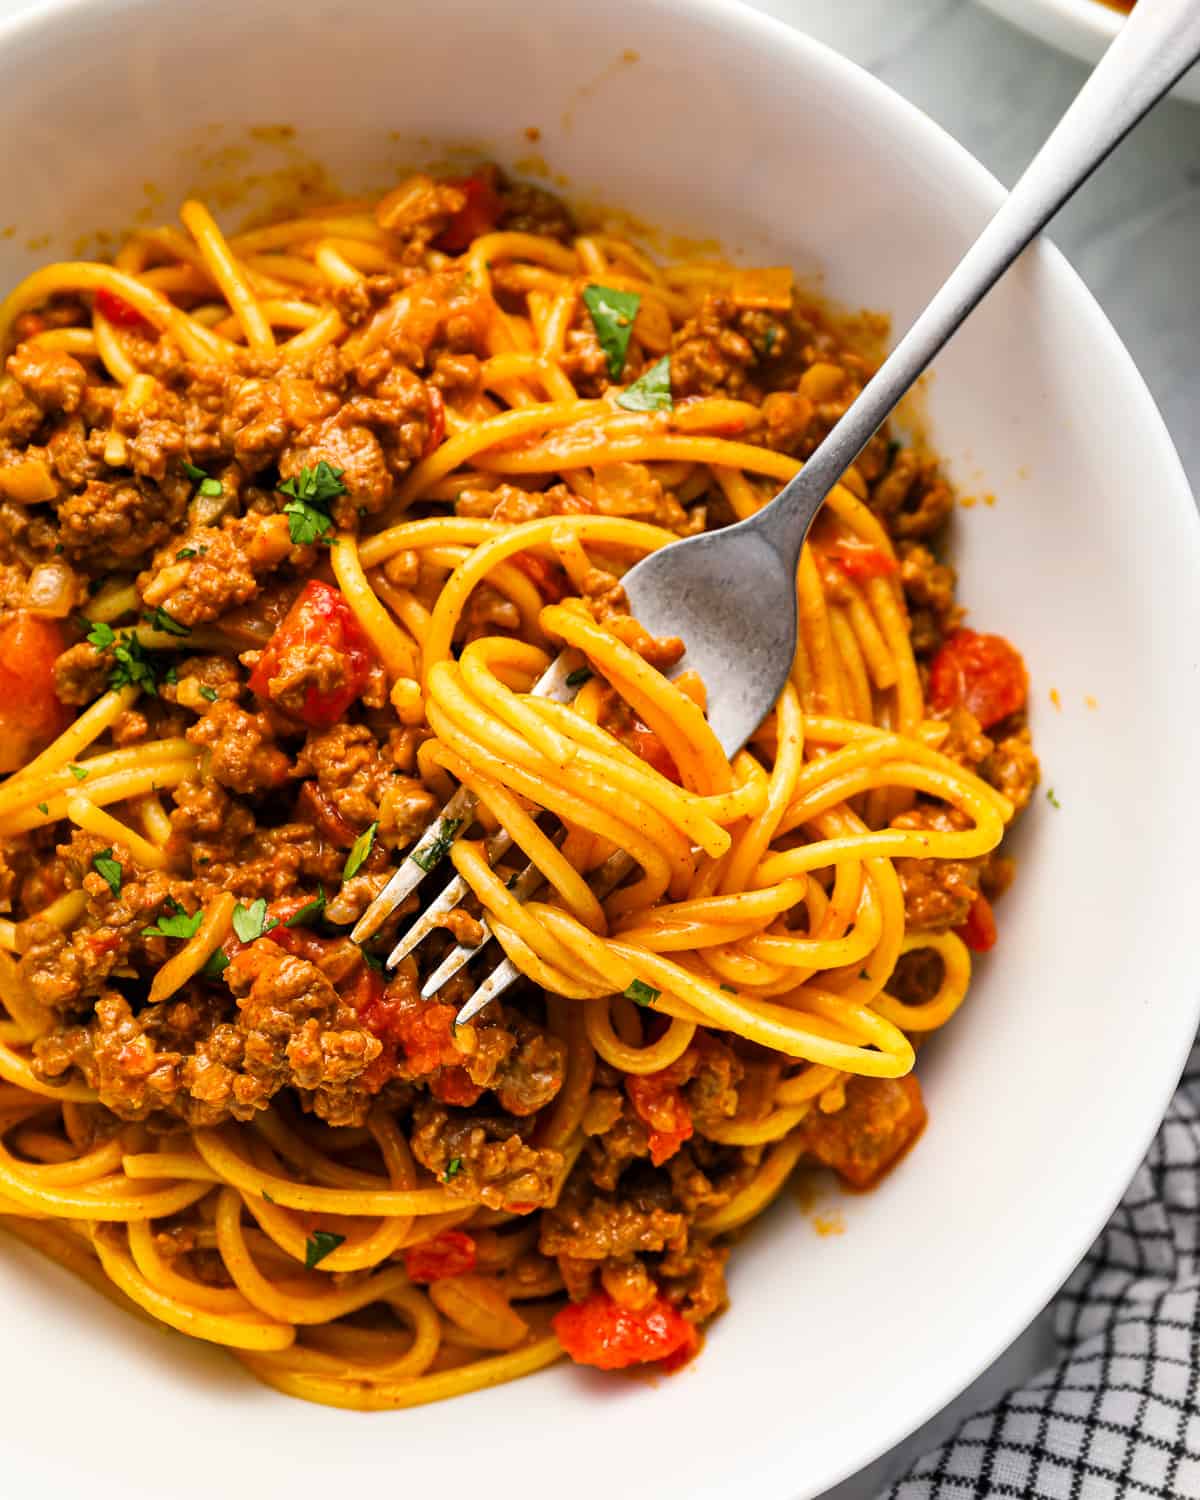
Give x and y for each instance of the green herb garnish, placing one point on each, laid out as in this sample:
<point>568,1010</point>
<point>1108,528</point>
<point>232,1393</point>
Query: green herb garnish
<point>319,1244</point>
<point>360,851</point>
<point>651,391</point>
<point>104,864</point>
<point>1051,798</point>
<point>437,851</point>
<point>184,553</point>
<point>770,339</point>
<point>251,922</point>
<point>133,667</point>
<point>579,676</point>
<point>612,315</point>
<point>310,496</point>
<point>44,809</point>
<point>176,924</point>
<point>453,1167</point>
<point>206,485</point>
<point>267,1196</point>
<point>311,911</point>
<point>79,772</point>
<point>216,965</point>
<point>641,993</point>
<point>208,694</point>
<point>158,619</point>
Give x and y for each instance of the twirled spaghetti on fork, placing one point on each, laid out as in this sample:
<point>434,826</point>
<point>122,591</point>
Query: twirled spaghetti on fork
<point>291,523</point>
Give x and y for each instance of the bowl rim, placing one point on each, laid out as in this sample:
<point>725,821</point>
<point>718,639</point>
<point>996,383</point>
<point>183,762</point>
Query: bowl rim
<point>1012,1309</point>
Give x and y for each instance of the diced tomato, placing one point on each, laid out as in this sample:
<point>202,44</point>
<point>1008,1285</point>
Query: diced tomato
<point>118,311</point>
<point>983,673</point>
<point>479,215</point>
<point>30,713</point>
<point>601,1332</point>
<point>659,1103</point>
<point>979,930</point>
<point>319,618</point>
<point>549,579</point>
<point>322,812</point>
<point>864,1140</point>
<point>437,419</point>
<point>861,560</point>
<point>647,745</point>
<point>451,1253</point>
<point>453,1086</point>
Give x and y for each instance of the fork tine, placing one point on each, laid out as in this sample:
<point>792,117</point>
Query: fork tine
<point>501,977</point>
<point>410,872</point>
<point>605,880</point>
<point>553,683</point>
<point>428,920</point>
<point>522,888</point>
<point>453,961</point>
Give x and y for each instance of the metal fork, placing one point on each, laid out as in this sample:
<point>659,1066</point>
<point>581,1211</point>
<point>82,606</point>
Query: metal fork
<point>731,594</point>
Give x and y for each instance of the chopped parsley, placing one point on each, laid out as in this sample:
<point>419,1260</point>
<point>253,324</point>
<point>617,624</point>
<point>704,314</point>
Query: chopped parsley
<point>250,922</point>
<point>437,851</point>
<point>579,676</point>
<point>104,864</point>
<point>206,486</point>
<point>360,851</point>
<point>770,339</point>
<point>651,391</point>
<point>612,315</point>
<point>267,1196</point>
<point>319,1244</point>
<point>158,619</point>
<point>453,1167</point>
<point>184,553</point>
<point>176,924</point>
<point>79,772</point>
<point>641,993</point>
<point>171,675</point>
<point>310,496</point>
<point>44,809</point>
<point>216,965</point>
<point>373,961</point>
<point>1051,798</point>
<point>132,667</point>
<point>311,911</point>
<point>729,989</point>
<point>208,694</point>
<point>862,974</point>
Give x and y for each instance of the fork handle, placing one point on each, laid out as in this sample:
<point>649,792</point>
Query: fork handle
<point>1152,51</point>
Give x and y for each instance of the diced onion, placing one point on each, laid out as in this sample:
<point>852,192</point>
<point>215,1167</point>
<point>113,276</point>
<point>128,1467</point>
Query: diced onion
<point>51,591</point>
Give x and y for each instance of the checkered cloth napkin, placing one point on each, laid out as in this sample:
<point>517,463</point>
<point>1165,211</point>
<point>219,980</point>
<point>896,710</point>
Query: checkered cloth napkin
<point>1118,1418</point>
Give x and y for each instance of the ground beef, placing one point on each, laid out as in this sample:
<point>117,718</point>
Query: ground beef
<point>929,592</point>
<point>912,498</point>
<point>1012,767</point>
<point>938,893</point>
<point>81,674</point>
<point>529,209</point>
<point>496,1166</point>
<point>362,784</point>
<point>53,381</point>
<point>587,1225</point>
<point>110,525</point>
<point>240,747</point>
<point>710,354</point>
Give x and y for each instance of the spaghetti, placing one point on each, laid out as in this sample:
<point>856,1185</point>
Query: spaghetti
<point>294,520</point>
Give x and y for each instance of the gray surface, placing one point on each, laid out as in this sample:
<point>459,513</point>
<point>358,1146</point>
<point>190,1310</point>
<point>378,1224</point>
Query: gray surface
<point>1132,233</point>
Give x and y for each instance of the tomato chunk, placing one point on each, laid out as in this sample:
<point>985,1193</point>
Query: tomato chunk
<point>319,631</point>
<point>982,673</point>
<point>451,1253</point>
<point>437,419</point>
<point>118,311</point>
<point>861,560</point>
<point>648,747</point>
<point>479,215</point>
<point>550,581</point>
<point>660,1104</point>
<point>601,1332</point>
<point>30,713</point>
<point>979,930</point>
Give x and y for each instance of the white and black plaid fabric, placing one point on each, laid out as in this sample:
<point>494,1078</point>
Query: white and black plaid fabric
<point>1118,1418</point>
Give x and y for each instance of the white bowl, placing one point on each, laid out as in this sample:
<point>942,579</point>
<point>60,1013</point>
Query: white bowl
<point>1045,1091</point>
<point>1083,28</point>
